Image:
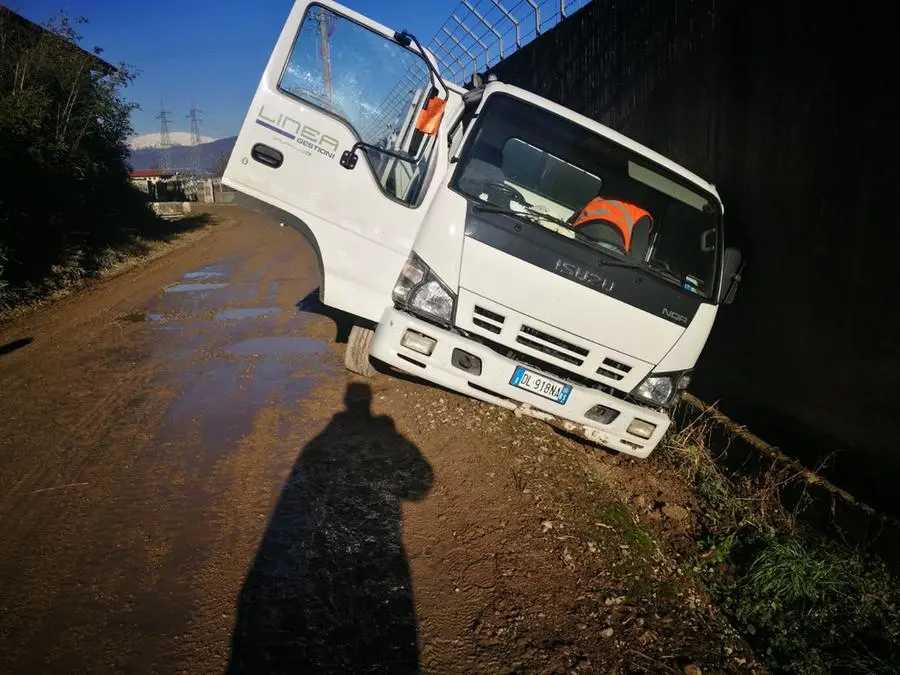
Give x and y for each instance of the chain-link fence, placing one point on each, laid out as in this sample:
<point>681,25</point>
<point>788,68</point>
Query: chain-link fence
<point>480,33</point>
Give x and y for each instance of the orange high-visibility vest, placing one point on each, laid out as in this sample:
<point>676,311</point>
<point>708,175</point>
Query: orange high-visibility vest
<point>621,214</point>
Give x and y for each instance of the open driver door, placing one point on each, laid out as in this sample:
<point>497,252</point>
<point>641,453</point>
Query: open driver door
<point>341,141</point>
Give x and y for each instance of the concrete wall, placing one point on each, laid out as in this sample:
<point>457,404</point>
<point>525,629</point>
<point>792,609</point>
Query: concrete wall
<point>791,109</point>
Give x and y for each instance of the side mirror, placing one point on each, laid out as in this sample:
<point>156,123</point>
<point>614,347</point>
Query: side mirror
<point>732,268</point>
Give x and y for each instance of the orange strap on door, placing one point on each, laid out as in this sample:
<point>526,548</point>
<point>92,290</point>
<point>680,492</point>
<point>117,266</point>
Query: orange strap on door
<point>621,214</point>
<point>430,116</point>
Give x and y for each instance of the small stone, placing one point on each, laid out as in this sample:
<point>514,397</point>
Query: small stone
<point>692,670</point>
<point>607,632</point>
<point>647,637</point>
<point>547,525</point>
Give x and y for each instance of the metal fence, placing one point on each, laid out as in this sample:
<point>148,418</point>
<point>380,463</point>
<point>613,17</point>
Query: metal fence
<point>480,33</point>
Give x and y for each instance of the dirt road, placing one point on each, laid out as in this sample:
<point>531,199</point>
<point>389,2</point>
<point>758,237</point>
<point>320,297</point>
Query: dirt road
<point>190,482</point>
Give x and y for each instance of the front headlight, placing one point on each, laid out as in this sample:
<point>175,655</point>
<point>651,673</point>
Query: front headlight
<point>664,389</point>
<point>433,299</point>
<point>419,290</point>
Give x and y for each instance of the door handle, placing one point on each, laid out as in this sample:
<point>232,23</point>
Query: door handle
<point>266,155</point>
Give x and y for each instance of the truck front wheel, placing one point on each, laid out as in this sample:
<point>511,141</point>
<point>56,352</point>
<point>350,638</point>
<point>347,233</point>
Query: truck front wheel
<point>356,358</point>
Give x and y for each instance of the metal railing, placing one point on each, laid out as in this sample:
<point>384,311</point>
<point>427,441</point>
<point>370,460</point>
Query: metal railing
<point>480,33</point>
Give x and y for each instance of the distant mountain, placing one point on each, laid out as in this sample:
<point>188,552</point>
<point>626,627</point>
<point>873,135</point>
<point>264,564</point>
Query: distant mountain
<point>175,137</point>
<point>209,153</point>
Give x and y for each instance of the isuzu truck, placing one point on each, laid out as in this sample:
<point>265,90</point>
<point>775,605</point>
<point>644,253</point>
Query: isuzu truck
<point>484,238</point>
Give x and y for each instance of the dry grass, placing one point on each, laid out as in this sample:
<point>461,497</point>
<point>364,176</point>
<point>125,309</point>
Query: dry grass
<point>81,267</point>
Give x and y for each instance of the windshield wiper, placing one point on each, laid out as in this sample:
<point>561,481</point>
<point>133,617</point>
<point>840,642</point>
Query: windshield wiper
<point>492,208</point>
<point>669,274</point>
<point>604,262</point>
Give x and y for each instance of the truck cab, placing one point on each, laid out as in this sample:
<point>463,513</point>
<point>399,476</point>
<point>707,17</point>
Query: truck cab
<point>487,239</point>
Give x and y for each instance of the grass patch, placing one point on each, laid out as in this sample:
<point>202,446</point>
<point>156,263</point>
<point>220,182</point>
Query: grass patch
<point>806,604</point>
<point>620,518</point>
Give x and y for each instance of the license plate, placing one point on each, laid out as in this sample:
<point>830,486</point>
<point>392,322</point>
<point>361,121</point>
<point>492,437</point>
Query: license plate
<point>540,385</point>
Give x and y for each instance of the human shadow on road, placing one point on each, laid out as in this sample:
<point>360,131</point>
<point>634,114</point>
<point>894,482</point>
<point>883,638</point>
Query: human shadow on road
<point>329,590</point>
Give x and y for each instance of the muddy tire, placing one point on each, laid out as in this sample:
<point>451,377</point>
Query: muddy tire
<point>356,358</point>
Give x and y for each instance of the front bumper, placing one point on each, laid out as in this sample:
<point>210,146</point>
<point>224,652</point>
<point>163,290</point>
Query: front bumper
<point>493,385</point>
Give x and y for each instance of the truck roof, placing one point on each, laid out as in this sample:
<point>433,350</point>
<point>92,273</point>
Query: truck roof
<point>603,130</point>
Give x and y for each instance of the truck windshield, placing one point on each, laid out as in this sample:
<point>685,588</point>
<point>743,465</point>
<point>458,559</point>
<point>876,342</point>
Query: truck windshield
<point>556,174</point>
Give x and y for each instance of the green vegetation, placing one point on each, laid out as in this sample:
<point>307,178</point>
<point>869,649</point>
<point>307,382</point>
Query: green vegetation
<point>67,209</point>
<point>620,518</point>
<point>808,604</point>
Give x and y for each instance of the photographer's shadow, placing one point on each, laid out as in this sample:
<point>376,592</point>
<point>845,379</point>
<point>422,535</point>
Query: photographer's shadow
<point>329,589</point>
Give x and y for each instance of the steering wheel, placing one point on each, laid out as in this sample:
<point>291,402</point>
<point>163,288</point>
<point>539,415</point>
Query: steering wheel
<point>502,193</point>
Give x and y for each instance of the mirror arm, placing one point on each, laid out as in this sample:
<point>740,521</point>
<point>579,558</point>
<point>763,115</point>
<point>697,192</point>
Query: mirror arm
<point>404,38</point>
<point>350,157</point>
<point>733,281</point>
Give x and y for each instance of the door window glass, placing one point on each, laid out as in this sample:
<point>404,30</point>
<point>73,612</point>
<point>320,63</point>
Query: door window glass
<point>373,83</point>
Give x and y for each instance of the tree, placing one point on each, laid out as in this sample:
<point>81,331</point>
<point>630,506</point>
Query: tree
<point>64,125</point>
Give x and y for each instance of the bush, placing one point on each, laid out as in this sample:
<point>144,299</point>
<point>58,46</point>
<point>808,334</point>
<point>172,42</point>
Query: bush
<point>64,127</point>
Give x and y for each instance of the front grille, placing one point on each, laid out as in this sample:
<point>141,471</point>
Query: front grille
<point>552,339</point>
<point>618,366</point>
<point>559,352</point>
<point>551,345</point>
<point>549,368</point>
<point>491,321</point>
<point>613,369</point>
<point>549,350</point>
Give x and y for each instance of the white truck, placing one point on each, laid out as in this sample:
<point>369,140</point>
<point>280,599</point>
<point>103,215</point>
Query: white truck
<point>452,223</point>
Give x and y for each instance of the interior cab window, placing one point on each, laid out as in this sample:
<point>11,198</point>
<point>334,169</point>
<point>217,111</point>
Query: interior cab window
<point>563,187</point>
<point>374,84</point>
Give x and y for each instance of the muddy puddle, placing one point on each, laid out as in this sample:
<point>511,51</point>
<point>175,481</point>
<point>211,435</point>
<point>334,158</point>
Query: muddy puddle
<point>194,288</point>
<point>230,361</point>
<point>236,354</point>
<point>247,313</point>
<point>278,346</point>
<point>140,317</point>
<point>210,272</point>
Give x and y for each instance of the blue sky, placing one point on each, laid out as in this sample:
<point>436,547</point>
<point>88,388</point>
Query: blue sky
<point>210,52</point>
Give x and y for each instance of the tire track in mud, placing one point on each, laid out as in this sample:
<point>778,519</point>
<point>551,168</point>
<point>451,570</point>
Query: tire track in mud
<point>130,516</point>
